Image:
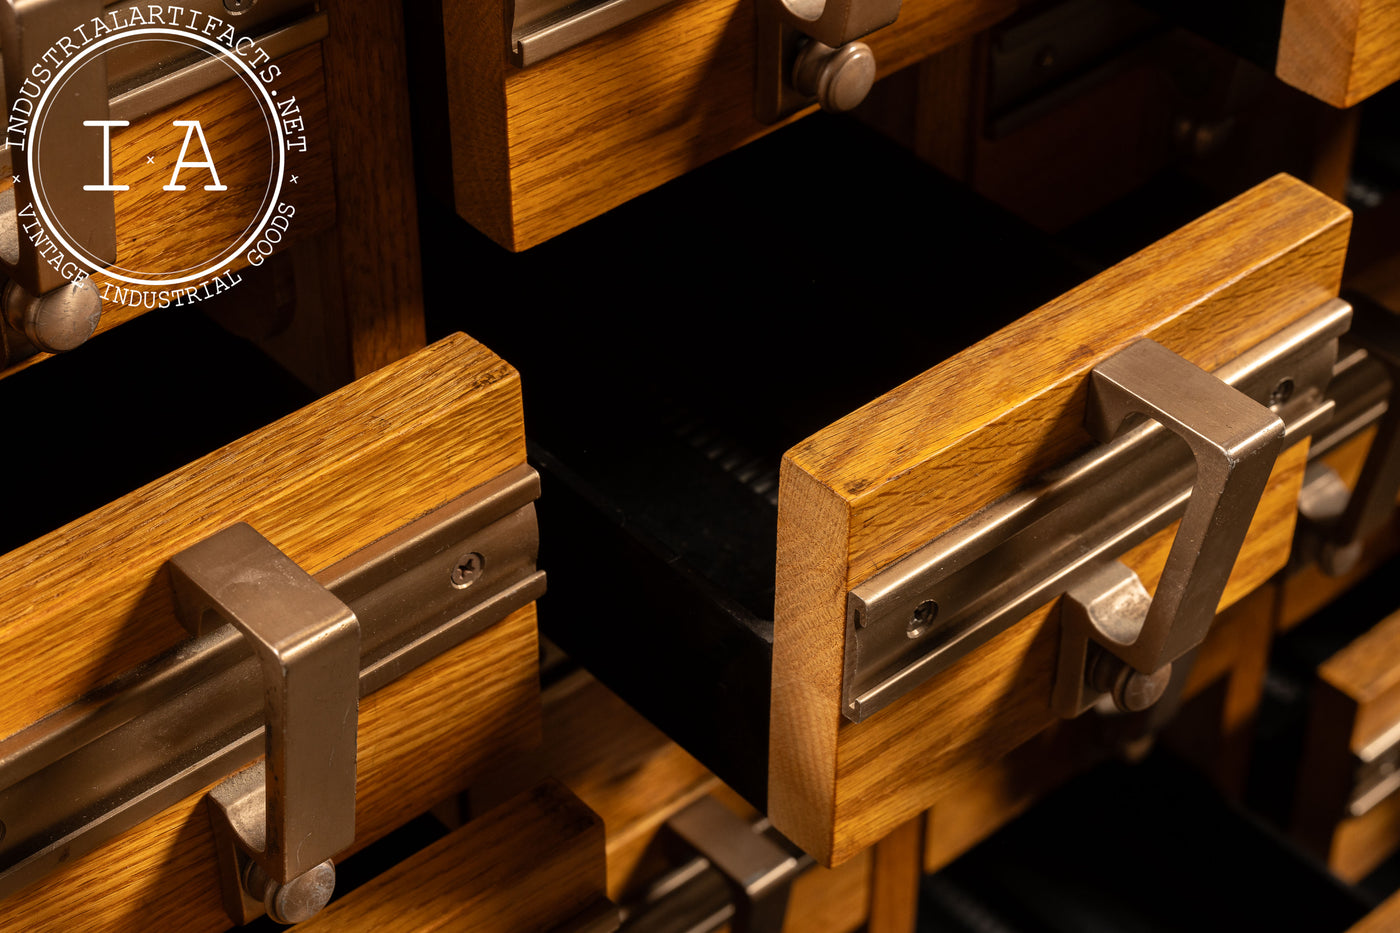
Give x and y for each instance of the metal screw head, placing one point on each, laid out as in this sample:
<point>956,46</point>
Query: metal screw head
<point>1282,392</point>
<point>468,569</point>
<point>239,6</point>
<point>60,320</point>
<point>923,617</point>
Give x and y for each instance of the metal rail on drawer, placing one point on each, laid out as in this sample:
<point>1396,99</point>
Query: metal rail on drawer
<point>184,720</point>
<point>923,613</point>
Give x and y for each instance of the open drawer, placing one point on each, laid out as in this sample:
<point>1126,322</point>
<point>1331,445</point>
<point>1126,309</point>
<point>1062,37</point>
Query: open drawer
<point>979,441</point>
<point>707,577</point>
<point>403,497</point>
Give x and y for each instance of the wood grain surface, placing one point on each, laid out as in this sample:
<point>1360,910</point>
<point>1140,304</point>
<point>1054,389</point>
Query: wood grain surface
<point>371,265</point>
<point>620,765</point>
<point>896,868</point>
<point>912,464</point>
<point>1383,919</point>
<point>1356,700</point>
<point>159,230</point>
<point>320,484</point>
<point>421,738</point>
<point>635,778</point>
<point>1233,657</point>
<point>533,864</point>
<point>539,150</point>
<point>1341,51</point>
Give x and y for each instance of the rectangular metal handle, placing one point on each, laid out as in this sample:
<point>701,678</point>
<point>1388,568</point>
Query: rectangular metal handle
<point>308,645</point>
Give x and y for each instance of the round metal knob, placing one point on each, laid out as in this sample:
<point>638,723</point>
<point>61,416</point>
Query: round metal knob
<point>1132,690</point>
<point>57,321</point>
<point>838,78</point>
<point>297,900</point>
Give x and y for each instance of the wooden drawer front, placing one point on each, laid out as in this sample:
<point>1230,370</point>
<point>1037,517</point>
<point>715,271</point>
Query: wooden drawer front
<point>1355,707</point>
<point>535,863</point>
<point>636,779</point>
<point>159,231</point>
<point>1341,51</point>
<point>319,484</point>
<point>538,150</point>
<point>155,233</point>
<point>914,463</point>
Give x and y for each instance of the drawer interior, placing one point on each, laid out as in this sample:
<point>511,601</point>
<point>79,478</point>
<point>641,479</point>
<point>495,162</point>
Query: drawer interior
<point>731,314</point>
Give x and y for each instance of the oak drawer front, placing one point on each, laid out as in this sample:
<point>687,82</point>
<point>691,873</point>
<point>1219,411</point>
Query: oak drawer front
<point>1341,51</point>
<point>320,485</point>
<point>534,863</point>
<point>1345,806</point>
<point>207,172</point>
<point>913,464</point>
<point>536,151</point>
<point>638,781</point>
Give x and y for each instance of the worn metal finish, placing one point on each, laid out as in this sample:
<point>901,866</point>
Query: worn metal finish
<point>832,22</point>
<point>838,79</point>
<point>194,715</point>
<point>805,52</point>
<point>541,28</point>
<point>56,321</point>
<point>924,612</point>
<point>1235,442</point>
<point>307,643</point>
<point>740,877</point>
<point>776,47</point>
<point>169,87</point>
<point>237,812</point>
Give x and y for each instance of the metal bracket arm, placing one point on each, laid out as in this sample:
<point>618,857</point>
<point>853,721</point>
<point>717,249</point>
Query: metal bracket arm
<point>308,645</point>
<point>1234,441</point>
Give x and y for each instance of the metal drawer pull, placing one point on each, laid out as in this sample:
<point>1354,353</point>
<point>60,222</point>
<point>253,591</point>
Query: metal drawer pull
<point>278,823</point>
<point>202,711</point>
<point>757,871</point>
<point>1114,637</point>
<point>808,52</point>
<point>928,610</point>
